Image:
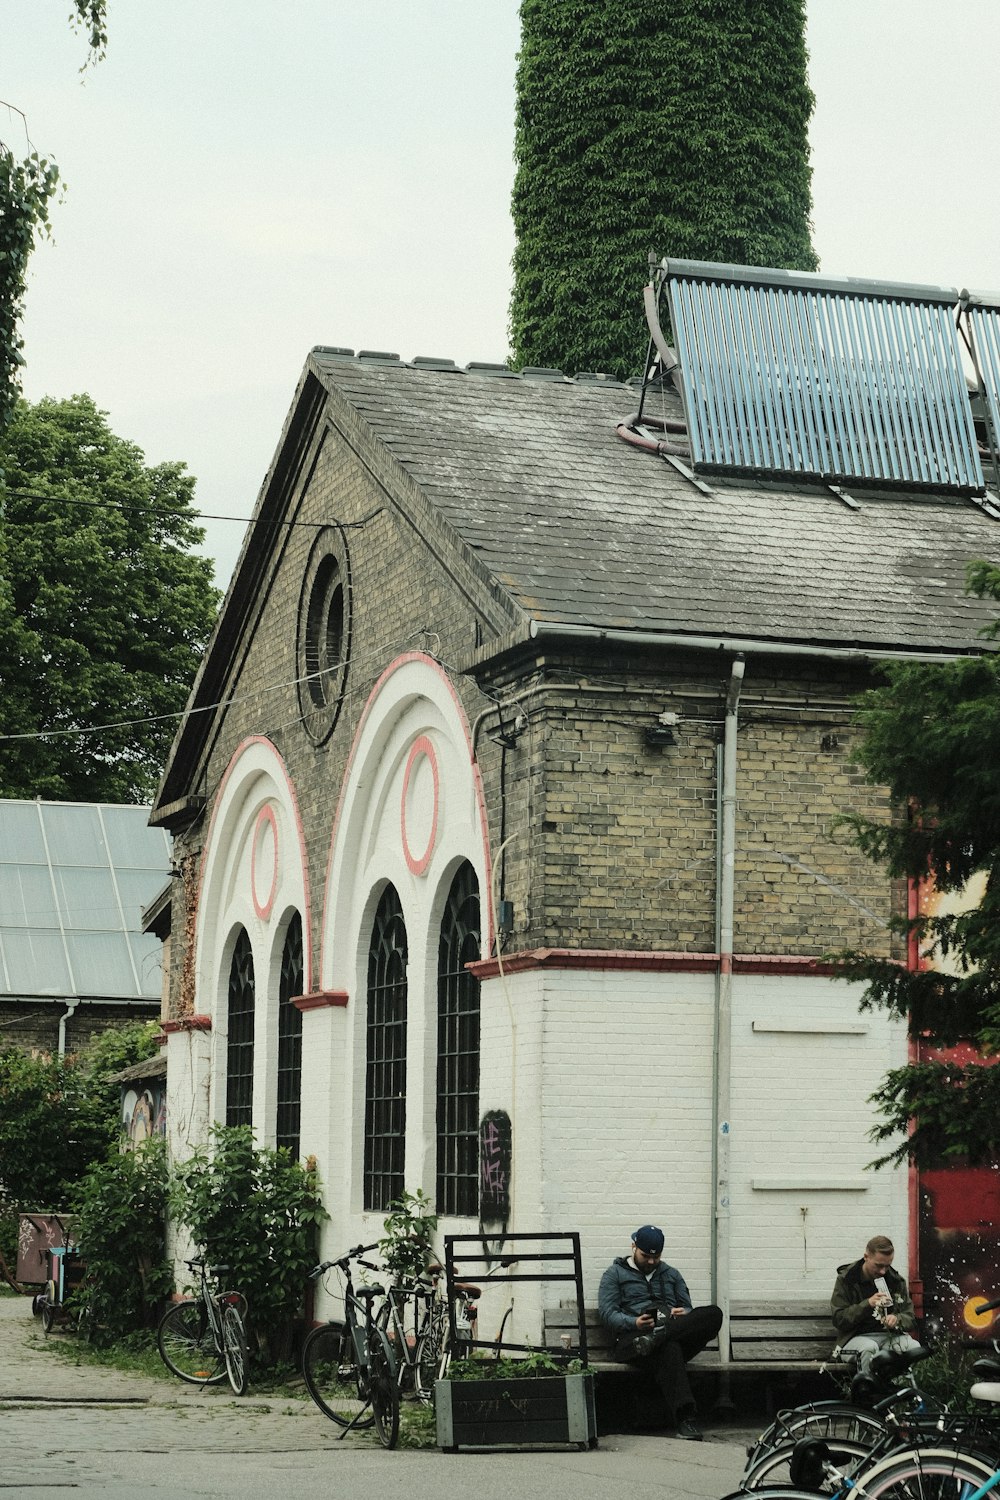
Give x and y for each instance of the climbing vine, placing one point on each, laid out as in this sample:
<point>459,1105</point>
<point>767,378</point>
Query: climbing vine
<point>26,189</point>
<point>673,125</point>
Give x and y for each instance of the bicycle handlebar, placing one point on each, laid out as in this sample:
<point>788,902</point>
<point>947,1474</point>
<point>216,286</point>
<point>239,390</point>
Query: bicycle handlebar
<point>985,1307</point>
<point>354,1254</point>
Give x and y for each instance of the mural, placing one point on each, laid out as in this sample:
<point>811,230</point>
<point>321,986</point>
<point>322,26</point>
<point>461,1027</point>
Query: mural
<point>958,1206</point>
<point>144,1112</point>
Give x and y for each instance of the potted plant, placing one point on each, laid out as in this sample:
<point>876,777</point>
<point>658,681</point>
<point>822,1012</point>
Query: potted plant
<point>537,1401</point>
<point>406,1248</point>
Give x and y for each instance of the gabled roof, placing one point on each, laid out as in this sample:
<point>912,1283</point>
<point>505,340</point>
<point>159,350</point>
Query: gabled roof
<point>582,529</point>
<point>74,878</point>
<point>574,530</point>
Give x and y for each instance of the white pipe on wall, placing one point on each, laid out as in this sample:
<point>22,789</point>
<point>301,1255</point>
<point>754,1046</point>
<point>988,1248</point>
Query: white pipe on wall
<point>724,1004</point>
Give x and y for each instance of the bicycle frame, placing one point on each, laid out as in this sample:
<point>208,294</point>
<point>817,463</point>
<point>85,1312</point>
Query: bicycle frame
<point>361,1325</point>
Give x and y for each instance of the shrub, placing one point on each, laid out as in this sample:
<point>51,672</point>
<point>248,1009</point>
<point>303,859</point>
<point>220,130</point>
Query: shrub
<point>256,1211</point>
<point>121,1230</point>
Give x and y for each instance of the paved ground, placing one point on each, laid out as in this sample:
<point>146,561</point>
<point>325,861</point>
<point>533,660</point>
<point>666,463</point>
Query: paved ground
<point>99,1432</point>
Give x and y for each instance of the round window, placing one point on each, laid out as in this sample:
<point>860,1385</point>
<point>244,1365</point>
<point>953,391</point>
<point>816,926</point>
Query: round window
<point>324,632</point>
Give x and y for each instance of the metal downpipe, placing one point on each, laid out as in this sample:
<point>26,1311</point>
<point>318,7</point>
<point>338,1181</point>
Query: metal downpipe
<point>722,1048</point>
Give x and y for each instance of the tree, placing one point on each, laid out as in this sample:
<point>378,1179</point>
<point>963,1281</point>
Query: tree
<point>104,611</point>
<point>931,735</point>
<point>677,125</point>
<point>26,189</point>
<point>59,1116</point>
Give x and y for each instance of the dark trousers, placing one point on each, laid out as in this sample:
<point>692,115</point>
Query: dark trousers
<point>680,1340</point>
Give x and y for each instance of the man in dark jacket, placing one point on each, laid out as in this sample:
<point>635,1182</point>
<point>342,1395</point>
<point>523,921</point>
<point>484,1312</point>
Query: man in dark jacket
<point>871,1307</point>
<point>646,1305</point>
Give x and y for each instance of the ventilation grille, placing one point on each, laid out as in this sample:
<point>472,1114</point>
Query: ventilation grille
<point>786,374</point>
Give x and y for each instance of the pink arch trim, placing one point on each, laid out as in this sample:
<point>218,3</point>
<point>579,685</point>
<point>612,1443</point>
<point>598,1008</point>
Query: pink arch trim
<point>282,773</point>
<point>421,747</point>
<point>477,780</point>
<point>263,908</point>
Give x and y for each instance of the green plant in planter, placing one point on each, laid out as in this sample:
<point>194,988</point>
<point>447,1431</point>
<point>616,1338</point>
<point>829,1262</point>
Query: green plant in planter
<point>407,1246</point>
<point>534,1365</point>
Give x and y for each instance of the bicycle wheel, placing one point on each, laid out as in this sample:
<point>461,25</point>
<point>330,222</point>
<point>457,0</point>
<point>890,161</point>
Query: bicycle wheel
<point>383,1388</point>
<point>774,1468</point>
<point>188,1346</point>
<point>821,1419</point>
<point>333,1377</point>
<point>234,1349</point>
<point>428,1359</point>
<point>928,1474</point>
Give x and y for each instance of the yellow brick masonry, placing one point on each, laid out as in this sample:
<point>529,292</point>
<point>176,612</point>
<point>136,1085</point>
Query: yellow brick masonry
<point>612,843</point>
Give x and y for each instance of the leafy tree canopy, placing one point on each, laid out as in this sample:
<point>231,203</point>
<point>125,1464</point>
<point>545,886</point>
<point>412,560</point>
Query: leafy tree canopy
<point>931,736</point>
<point>104,610</point>
<point>676,125</point>
<point>26,189</point>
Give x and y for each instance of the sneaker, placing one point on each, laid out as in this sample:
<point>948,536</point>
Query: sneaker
<point>688,1428</point>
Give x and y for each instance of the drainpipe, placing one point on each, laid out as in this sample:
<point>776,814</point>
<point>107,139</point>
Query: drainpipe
<point>724,1017</point>
<point>72,1001</point>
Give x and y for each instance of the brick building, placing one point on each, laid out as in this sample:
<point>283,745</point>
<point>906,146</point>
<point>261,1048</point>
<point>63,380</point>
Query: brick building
<point>510,789</point>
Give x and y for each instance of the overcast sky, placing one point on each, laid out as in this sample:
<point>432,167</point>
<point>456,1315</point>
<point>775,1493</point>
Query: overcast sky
<point>244,181</point>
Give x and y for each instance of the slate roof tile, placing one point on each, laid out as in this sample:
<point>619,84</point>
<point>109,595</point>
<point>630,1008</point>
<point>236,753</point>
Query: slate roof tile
<point>584,529</point>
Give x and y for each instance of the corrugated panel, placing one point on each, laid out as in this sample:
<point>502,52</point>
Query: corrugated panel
<point>788,374</point>
<point>74,878</point>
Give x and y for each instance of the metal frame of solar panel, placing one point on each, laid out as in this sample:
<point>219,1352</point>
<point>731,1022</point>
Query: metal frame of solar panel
<point>787,374</point>
<point>980,315</point>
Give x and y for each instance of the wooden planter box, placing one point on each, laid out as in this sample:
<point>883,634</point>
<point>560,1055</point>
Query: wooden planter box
<point>528,1412</point>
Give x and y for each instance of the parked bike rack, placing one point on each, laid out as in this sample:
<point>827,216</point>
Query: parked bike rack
<point>515,1250</point>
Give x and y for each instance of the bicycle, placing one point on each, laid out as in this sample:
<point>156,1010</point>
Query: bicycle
<point>945,1468</point>
<point>203,1340</point>
<point>855,1435</point>
<point>348,1366</point>
<point>414,1318</point>
<point>421,1340</point>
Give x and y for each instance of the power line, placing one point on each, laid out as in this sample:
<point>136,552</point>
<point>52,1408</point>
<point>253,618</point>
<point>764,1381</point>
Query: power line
<point>205,708</point>
<point>154,510</point>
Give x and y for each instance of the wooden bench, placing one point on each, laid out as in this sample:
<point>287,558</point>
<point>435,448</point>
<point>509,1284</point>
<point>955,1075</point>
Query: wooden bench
<point>763,1336</point>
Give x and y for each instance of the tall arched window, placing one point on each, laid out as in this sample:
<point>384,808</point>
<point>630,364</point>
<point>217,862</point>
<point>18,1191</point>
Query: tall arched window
<point>239,1047</point>
<point>385,1074</point>
<point>290,1040</point>
<point>458,1050</point>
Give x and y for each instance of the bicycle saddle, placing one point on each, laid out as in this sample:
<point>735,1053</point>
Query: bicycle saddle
<point>807,1464</point>
<point>986,1368</point>
<point>865,1391</point>
<point>368,1293</point>
<point>467,1289</point>
<point>889,1362</point>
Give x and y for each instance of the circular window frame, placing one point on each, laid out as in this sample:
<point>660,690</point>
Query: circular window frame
<point>326,590</point>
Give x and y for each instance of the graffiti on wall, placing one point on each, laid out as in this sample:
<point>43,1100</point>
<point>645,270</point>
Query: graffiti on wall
<point>495,1154</point>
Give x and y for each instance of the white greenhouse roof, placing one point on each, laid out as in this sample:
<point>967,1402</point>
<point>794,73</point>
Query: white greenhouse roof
<point>74,879</point>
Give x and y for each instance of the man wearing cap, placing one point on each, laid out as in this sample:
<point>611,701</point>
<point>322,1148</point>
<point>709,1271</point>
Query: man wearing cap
<point>648,1308</point>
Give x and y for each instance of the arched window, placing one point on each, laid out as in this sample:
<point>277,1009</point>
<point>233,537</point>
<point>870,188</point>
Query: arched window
<point>290,1040</point>
<point>239,1047</point>
<point>458,1050</point>
<point>385,1074</point>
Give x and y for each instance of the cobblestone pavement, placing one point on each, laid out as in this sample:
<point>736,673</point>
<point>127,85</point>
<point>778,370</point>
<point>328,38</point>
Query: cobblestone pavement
<point>98,1432</point>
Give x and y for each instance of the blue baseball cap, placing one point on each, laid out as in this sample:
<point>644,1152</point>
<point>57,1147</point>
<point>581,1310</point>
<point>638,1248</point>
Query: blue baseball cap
<point>648,1239</point>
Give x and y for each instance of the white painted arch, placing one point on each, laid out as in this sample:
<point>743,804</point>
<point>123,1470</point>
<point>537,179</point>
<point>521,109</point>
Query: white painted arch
<point>254,875</point>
